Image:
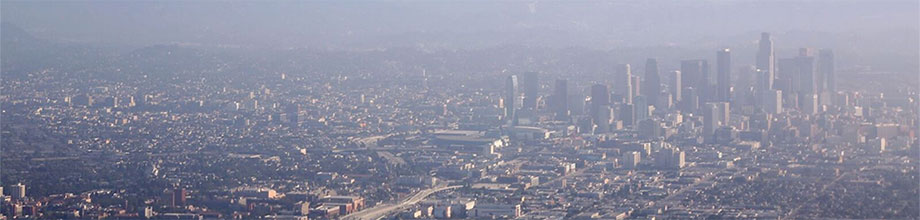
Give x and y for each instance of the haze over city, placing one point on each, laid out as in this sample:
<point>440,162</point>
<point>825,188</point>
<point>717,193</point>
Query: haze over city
<point>473,109</point>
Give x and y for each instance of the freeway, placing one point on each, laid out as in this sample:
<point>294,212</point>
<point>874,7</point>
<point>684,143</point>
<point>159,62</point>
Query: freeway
<point>792,214</point>
<point>679,194</point>
<point>391,158</point>
<point>383,209</point>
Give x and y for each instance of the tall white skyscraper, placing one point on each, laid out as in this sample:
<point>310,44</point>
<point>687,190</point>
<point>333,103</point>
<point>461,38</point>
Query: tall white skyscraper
<point>510,99</point>
<point>674,85</point>
<point>622,83</point>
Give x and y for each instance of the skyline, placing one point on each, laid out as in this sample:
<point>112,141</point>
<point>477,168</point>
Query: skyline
<point>460,110</point>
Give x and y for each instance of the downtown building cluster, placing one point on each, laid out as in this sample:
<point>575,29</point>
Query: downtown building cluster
<point>370,137</point>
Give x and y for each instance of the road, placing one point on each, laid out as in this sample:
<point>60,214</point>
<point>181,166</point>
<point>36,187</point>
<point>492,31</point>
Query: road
<point>383,209</point>
<point>677,196</point>
<point>400,149</point>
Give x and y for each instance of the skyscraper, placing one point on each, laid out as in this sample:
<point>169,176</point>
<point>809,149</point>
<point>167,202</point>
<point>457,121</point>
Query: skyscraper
<point>670,158</point>
<point>641,108</point>
<point>510,96</point>
<point>724,75</point>
<point>809,103</point>
<point>808,83</point>
<point>627,114</point>
<point>807,77</point>
<point>691,100</point>
<point>600,96</point>
<point>765,59</point>
<point>652,81</point>
<point>761,88</point>
<point>636,85</point>
<point>600,107</point>
<point>531,84</point>
<point>577,102</point>
<point>83,100</point>
<point>561,98</point>
<point>710,120</point>
<point>679,159</point>
<point>602,119</point>
<point>178,197</point>
<point>806,52</point>
<point>826,71</point>
<point>715,115</point>
<point>773,102</point>
<point>18,191</point>
<point>743,91</point>
<point>622,83</point>
<point>139,100</point>
<point>674,85</point>
<point>631,160</point>
<point>650,129</point>
<point>692,73</point>
<point>724,113</point>
<point>292,114</point>
<point>787,75</point>
<point>694,83</point>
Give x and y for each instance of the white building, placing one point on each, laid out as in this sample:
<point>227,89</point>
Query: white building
<point>495,210</point>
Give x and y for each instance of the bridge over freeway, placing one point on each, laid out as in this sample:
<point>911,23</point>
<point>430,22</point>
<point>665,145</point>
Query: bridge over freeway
<point>384,209</point>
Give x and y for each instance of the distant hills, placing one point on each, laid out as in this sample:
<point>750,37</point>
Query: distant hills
<point>22,53</point>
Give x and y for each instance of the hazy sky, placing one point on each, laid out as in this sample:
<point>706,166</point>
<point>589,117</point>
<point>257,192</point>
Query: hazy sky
<point>453,23</point>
